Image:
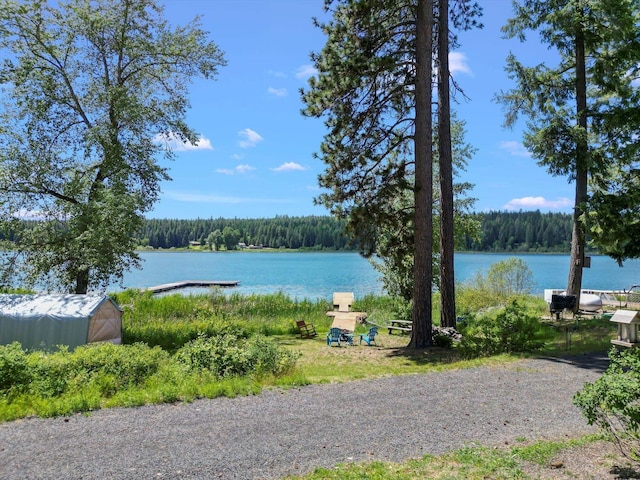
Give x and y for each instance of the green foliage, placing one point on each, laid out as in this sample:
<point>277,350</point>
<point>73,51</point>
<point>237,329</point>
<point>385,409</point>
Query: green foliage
<point>521,232</point>
<point>614,219</point>
<point>14,368</point>
<point>82,130</point>
<point>510,277</point>
<point>443,341</point>
<point>504,280</point>
<point>482,232</point>
<point>613,401</point>
<point>309,232</point>
<point>227,356</point>
<point>582,113</point>
<point>511,329</point>
<point>108,367</point>
<point>170,321</point>
<point>98,375</point>
<point>394,242</point>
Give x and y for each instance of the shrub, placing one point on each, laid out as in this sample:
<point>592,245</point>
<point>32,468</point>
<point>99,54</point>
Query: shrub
<point>613,401</point>
<point>228,356</point>
<point>130,365</point>
<point>109,367</point>
<point>14,369</point>
<point>267,358</point>
<point>52,373</point>
<point>443,341</point>
<point>505,280</point>
<point>510,329</point>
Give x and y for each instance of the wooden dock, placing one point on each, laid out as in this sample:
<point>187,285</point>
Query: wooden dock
<point>193,283</point>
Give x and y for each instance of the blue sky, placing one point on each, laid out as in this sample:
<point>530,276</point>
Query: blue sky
<point>255,157</point>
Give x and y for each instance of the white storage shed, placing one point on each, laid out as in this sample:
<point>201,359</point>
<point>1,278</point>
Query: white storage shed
<point>45,321</point>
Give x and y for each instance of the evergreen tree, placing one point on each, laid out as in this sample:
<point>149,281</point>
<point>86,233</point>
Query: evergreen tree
<point>375,90</point>
<point>582,114</point>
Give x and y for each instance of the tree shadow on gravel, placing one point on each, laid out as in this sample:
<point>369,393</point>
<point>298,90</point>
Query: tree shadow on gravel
<point>625,472</point>
<point>597,362</point>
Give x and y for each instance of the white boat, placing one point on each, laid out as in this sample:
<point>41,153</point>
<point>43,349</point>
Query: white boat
<point>590,302</point>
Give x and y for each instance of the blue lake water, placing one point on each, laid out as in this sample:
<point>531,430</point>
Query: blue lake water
<point>319,274</point>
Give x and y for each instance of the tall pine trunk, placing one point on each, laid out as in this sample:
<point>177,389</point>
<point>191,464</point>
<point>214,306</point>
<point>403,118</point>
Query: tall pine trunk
<point>578,240</point>
<point>422,336</point>
<point>447,280</point>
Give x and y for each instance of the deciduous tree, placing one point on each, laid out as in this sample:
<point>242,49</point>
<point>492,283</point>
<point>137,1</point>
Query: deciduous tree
<point>93,92</point>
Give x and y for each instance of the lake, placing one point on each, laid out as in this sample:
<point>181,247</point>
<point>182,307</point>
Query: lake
<point>318,274</point>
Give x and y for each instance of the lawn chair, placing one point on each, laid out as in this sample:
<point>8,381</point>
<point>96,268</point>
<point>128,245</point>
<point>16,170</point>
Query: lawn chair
<point>370,337</point>
<point>307,330</point>
<point>334,336</point>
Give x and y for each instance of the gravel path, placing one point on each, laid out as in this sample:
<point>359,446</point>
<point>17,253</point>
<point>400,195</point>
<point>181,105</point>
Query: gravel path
<point>291,432</point>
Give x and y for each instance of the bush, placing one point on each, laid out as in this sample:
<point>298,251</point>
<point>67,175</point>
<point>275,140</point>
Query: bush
<point>613,401</point>
<point>14,369</point>
<point>111,367</point>
<point>505,280</point>
<point>443,341</point>
<point>228,356</point>
<point>510,329</point>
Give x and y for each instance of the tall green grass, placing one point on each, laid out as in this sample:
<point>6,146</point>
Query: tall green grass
<point>171,321</point>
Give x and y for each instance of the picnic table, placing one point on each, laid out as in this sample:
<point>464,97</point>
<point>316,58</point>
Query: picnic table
<point>400,325</point>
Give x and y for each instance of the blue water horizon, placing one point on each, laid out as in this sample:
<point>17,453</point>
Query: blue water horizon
<point>316,275</point>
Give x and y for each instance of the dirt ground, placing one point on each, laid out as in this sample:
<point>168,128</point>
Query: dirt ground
<point>598,461</point>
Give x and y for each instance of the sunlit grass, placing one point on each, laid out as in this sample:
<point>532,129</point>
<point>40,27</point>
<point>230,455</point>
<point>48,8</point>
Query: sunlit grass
<point>470,463</point>
<point>170,322</point>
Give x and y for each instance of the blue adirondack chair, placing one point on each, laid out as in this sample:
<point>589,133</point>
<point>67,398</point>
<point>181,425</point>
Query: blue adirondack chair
<point>334,336</point>
<point>370,337</point>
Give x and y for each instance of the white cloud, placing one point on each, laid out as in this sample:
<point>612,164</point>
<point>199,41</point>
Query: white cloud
<point>237,156</point>
<point>458,63</point>
<point>515,148</point>
<point>241,169</point>
<point>174,142</point>
<point>278,92</point>
<point>535,203</point>
<point>250,138</point>
<point>306,71</point>
<point>288,167</point>
<point>244,168</point>
<point>277,74</point>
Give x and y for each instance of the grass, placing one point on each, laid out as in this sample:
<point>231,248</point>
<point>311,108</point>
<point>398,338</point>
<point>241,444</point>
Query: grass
<point>170,322</point>
<point>173,320</point>
<point>320,364</point>
<point>477,462</point>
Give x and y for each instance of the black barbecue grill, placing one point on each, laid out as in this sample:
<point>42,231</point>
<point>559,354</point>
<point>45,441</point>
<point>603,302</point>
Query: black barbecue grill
<point>559,303</point>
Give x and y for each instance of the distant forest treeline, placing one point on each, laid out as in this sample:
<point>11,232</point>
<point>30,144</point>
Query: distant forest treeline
<point>501,232</point>
<point>522,232</point>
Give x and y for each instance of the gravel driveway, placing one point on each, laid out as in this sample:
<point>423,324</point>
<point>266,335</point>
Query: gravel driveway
<point>290,432</point>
